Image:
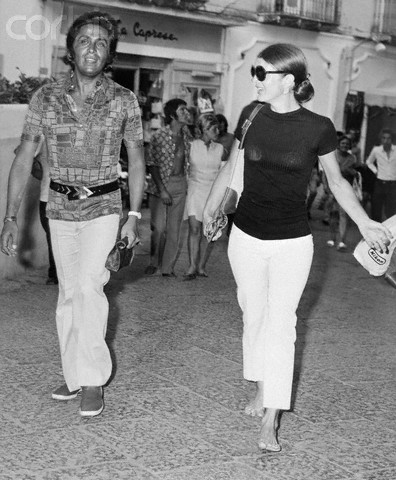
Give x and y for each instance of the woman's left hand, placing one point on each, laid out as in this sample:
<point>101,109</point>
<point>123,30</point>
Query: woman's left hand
<point>376,235</point>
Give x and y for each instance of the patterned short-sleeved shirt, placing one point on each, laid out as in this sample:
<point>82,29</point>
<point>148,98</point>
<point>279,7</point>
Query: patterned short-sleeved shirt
<point>83,149</point>
<point>162,154</point>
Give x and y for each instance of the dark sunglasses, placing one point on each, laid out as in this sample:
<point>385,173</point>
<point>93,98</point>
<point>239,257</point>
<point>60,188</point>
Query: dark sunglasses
<point>261,73</point>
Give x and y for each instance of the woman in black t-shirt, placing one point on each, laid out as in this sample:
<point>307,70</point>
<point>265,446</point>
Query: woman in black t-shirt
<point>270,247</point>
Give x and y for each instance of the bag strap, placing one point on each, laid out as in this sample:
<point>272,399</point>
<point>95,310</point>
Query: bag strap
<point>245,128</point>
<point>248,122</point>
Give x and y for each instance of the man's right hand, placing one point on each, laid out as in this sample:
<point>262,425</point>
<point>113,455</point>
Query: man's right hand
<point>9,239</point>
<point>166,197</point>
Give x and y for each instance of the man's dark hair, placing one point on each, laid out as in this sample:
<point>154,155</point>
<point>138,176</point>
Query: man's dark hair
<point>387,131</point>
<point>105,21</point>
<point>170,108</point>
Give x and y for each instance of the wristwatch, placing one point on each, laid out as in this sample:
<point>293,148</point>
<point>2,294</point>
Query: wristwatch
<point>10,219</point>
<point>132,213</point>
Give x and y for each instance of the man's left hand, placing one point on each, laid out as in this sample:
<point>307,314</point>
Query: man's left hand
<point>130,230</point>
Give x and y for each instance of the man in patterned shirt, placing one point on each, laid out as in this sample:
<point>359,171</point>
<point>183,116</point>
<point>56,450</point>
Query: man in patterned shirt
<point>83,119</point>
<point>168,158</point>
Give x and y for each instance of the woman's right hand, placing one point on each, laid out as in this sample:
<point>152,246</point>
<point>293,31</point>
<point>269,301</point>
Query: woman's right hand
<point>208,215</point>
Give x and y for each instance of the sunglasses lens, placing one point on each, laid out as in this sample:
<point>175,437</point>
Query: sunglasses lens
<point>258,72</point>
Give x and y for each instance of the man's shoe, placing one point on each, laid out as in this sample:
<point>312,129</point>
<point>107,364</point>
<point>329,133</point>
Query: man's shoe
<point>91,401</point>
<point>341,247</point>
<point>51,281</point>
<point>63,393</point>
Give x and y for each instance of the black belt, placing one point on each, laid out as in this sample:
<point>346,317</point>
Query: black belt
<point>79,192</point>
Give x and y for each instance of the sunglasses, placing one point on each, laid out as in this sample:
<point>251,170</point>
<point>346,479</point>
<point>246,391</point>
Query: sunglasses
<point>261,73</point>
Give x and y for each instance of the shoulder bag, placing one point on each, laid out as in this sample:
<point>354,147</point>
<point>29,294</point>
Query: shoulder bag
<point>229,202</point>
<point>120,256</point>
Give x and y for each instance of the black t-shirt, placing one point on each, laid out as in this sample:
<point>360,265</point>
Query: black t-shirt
<point>280,153</point>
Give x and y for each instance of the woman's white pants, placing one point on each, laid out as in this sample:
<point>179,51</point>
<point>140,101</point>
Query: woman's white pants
<point>271,276</point>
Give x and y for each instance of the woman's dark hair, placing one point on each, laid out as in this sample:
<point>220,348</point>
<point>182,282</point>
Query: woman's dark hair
<point>105,21</point>
<point>222,119</point>
<point>291,59</point>
<point>345,137</point>
<point>170,108</point>
<point>205,121</point>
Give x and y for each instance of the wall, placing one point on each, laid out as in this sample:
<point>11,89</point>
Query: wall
<point>16,45</point>
<point>33,248</point>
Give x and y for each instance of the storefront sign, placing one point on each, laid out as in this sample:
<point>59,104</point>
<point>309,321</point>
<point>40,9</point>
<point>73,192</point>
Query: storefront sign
<point>138,31</point>
<point>157,30</point>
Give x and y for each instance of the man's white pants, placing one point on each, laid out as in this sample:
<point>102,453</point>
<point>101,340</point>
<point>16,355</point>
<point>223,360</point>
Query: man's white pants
<point>271,276</point>
<point>80,252</point>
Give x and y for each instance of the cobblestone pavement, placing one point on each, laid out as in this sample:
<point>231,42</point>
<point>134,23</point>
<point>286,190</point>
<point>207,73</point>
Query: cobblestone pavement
<point>174,406</point>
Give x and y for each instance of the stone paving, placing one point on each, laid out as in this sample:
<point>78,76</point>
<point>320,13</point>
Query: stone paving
<point>174,405</point>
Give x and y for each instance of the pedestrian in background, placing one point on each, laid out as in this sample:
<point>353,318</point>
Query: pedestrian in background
<point>42,157</point>
<point>205,161</point>
<point>382,162</point>
<point>167,163</point>
<point>225,138</point>
<point>41,173</point>
<point>83,117</point>
<point>270,247</point>
<point>338,219</point>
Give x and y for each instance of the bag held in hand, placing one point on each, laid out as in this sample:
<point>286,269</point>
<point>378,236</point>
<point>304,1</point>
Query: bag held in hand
<point>375,262</point>
<point>228,205</point>
<point>120,256</point>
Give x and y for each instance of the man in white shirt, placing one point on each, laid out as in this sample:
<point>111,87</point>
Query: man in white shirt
<point>382,161</point>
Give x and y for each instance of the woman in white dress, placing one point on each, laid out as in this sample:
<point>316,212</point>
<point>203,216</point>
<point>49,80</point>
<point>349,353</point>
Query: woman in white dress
<point>205,162</point>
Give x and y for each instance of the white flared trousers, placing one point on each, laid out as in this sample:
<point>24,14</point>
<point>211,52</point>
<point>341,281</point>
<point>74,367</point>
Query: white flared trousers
<point>80,252</point>
<point>271,276</point>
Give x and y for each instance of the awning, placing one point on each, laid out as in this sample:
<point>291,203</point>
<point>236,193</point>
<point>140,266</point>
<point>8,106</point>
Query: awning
<point>199,16</point>
<point>384,95</point>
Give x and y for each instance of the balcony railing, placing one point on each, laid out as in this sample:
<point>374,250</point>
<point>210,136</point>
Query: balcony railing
<point>300,13</point>
<point>385,17</point>
<point>180,4</point>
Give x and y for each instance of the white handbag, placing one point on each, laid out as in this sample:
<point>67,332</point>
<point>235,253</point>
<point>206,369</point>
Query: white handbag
<point>375,262</point>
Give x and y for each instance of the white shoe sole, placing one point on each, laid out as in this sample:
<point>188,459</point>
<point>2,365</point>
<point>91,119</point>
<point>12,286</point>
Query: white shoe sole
<point>65,397</point>
<point>91,413</point>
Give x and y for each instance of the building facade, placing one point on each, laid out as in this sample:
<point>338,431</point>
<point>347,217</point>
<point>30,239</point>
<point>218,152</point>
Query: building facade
<point>208,47</point>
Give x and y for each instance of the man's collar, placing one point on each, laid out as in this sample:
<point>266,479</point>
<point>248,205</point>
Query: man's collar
<point>104,89</point>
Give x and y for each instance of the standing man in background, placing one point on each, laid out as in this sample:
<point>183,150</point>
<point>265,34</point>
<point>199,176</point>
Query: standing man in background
<point>83,118</point>
<point>168,158</point>
<point>382,162</point>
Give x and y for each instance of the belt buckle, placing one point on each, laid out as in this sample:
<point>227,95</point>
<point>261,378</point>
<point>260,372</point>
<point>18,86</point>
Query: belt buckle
<point>80,193</point>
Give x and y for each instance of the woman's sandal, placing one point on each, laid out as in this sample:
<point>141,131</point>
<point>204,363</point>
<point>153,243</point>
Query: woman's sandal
<point>189,276</point>
<point>270,447</point>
